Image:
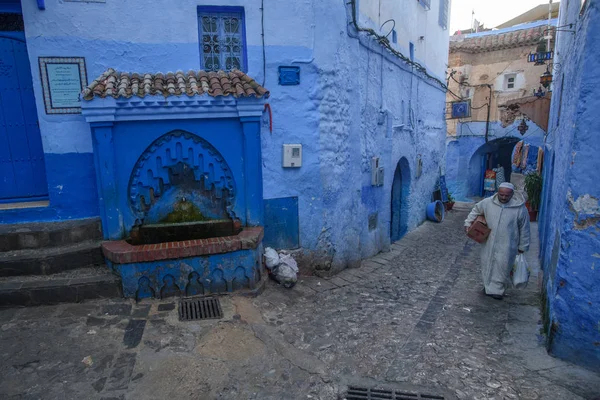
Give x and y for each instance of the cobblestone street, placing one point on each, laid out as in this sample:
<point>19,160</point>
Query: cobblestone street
<point>414,318</point>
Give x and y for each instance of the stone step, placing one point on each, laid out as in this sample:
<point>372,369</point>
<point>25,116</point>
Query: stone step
<point>65,287</point>
<point>52,260</point>
<point>38,235</point>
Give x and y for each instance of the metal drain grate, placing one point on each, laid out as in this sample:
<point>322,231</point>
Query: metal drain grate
<point>362,393</point>
<point>200,308</point>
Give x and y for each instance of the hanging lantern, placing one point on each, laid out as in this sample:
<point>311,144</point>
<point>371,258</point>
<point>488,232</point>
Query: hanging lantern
<point>522,127</point>
<point>546,78</point>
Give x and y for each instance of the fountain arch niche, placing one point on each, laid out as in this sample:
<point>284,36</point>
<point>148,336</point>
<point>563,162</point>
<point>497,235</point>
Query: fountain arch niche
<point>182,188</point>
<point>179,177</point>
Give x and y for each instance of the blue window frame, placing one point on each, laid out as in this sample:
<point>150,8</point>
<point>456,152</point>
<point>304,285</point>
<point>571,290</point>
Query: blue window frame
<point>222,34</point>
<point>394,36</point>
<point>411,47</point>
<point>425,3</point>
<point>443,20</point>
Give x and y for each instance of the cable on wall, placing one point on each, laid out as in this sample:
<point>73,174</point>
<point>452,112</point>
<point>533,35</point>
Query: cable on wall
<point>383,41</point>
<point>262,24</point>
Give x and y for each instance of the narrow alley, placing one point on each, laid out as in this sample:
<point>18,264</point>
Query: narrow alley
<point>413,320</point>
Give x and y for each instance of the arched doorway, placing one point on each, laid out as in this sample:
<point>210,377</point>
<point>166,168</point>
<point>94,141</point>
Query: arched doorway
<point>399,204</point>
<point>490,155</point>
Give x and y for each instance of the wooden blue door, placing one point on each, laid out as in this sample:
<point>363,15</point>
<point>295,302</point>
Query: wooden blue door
<point>396,206</point>
<point>22,169</point>
<point>399,209</point>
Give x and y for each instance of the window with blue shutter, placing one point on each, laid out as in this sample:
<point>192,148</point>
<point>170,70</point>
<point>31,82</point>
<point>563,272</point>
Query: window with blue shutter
<point>222,38</point>
<point>425,3</point>
<point>444,5</point>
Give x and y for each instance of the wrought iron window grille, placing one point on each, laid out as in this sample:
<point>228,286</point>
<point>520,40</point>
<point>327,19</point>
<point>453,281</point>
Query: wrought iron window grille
<point>222,38</point>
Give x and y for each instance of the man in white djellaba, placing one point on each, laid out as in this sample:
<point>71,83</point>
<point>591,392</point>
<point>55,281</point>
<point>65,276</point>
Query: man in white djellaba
<point>508,220</point>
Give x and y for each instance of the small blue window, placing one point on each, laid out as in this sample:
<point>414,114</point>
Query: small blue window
<point>394,36</point>
<point>425,3</point>
<point>222,38</point>
<point>443,20</point>
<point>412,51</point>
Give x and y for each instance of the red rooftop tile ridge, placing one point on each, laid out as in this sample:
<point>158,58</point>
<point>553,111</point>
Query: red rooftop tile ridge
<point>116,84</point>
<point>500,41</point>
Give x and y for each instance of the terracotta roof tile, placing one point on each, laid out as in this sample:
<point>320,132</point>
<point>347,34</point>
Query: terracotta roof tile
<point>125,85</point>
<point>491,42</point>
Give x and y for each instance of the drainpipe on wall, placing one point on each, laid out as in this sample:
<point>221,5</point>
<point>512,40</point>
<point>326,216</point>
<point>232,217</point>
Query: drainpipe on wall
<point>487,122</point>
<point>548,29</point>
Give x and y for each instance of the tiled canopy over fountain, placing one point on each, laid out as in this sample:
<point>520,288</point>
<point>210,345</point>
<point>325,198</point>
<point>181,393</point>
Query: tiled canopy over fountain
<point>178,163</point>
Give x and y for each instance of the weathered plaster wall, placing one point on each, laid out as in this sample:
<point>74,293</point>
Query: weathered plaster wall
<point>353,102</point>
<point>414,24</point>
<point>359,106</point>
<point>570,250</point>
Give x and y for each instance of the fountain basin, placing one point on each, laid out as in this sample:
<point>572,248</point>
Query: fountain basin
<point>188,267</point>
<point>182,231</point>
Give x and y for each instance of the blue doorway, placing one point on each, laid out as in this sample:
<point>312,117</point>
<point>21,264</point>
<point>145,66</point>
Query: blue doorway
<point>400,192</point>
<point>22,168</point>
<point>488,156</point>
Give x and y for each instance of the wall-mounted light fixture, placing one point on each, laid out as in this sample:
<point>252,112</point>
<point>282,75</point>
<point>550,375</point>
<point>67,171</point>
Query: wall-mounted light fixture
<point>546,78</point>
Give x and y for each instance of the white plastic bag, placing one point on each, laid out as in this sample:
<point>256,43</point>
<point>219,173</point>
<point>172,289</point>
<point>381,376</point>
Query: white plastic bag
<point>520,272</point>
<point>271,258</point>
<point>287,271</point>
<point>286,259</point>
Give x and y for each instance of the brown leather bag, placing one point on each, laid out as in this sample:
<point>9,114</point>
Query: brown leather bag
<point>479,231</point>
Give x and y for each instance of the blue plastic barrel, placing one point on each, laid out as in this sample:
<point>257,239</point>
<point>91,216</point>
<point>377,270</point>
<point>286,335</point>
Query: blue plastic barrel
<point>435,211</point>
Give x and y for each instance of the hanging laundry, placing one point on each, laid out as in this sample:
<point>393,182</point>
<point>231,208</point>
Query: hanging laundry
<point>523,164</point>
<point>518,152</point>
<point>499,175</point>
<point>540,160</point>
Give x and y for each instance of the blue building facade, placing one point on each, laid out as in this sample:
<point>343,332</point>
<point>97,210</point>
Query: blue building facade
<point>334,90</point>
<point>491,95</point>
<point>570,220</point>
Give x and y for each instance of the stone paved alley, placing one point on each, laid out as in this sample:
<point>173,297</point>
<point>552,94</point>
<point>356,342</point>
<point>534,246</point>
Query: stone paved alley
<point>414,317</point>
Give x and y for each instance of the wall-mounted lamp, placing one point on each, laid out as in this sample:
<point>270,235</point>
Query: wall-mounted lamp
<point>546,78</point>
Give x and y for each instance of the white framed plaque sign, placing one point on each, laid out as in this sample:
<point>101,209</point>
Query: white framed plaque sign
<point>63,80</point>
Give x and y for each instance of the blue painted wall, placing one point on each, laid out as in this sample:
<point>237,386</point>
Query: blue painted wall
<point>282,229</point>
<point>570,215</point>
<point>464,152</point>
<point>71,189</point>
<point>354,102</point>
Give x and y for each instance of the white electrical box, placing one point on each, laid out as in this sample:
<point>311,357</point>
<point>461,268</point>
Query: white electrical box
<point>292,155</point>
<point>376,172</point>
